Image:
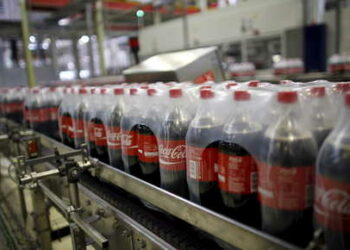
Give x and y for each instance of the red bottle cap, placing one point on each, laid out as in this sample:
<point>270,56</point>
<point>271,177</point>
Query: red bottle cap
<point>231,84</point>
<point>347,99</point>
<point>206,93</point>
<point>151,92</point>
<point>175,93</point>
<point>35,91</point>
<point>103,91</point>
<point>241,95</point>
<point>318,91</point>
<point>287,96</point>
<point>118,91</point>
<point>343,87</point>
<point>52,89</point>
<point>282,82</point>
<point>205,87</point>
<point>82,91</point>
<point>133,91</point>
<point>254,83</point>
<point>144,87</point>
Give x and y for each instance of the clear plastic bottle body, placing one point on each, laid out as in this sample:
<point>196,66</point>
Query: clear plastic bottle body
<point>237,163</point>
<point>331,207</point>
<point>172,148</point>
<point>202,142</point>
<point>286,176</point>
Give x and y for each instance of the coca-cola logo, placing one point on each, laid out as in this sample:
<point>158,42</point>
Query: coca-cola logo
<point>175,153</point>
<point>114,137</point>
<point>126,139</point>
<point>99,132</point>
<point>336,200</point>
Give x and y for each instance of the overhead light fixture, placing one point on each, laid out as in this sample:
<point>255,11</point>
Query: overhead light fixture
<point>140,13</point>
<point>64,22</point>
<point>32,39</point>
<point>84,39</point>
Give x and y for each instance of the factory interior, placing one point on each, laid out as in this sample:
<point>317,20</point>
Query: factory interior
<point>174,124</point>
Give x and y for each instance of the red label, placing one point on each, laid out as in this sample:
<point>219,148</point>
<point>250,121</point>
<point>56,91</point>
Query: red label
<point>114,138</point>
<point>129,142</point>
<point>78,126</point>
<point>287,188</point>
<point>172,155</point>
<point>53,113</point>
<point>202,163</point>
<point>91,131</point>
<point>237,174</point>
<point>13,107</point>
<point>69,126</point>
<point>39,115</point>
<point>63,124</point>
<point>100,134</point>
<point>26,115</point>
<point>332,204</point>
<point>147,148</point>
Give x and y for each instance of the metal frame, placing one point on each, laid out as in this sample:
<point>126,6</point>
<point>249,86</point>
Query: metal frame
<point>230,231</point>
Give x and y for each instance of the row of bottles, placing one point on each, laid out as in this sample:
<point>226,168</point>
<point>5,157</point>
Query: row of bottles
<point>271,156</point>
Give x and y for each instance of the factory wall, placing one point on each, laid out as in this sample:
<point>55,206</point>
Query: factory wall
<point>245,20</point>
<point>248,19</point>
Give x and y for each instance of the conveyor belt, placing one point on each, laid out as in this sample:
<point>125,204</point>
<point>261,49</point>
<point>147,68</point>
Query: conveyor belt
<point>172,230</point>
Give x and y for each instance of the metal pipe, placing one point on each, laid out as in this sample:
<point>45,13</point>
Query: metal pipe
<point>57,201</point>
<point>338,27</point>
<point>74,195</point>
<point>37,176</point>
<point>76,57</point>
<point>91,232</point>
<point>41,218</point>
<point>89,28</point>
<point>185,26</point>
<point>100,36</point>
<point>27,53</point>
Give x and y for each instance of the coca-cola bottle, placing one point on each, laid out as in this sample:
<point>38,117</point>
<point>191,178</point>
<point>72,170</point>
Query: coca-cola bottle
<point>172,145</point>
<point>286,174</point>
<point>129,135</point>
<point>202,141</point>
<point>40,119</point>
<point>63,115</point>
<point>79,109</point>
<point>113,131</point>
<point>89,123</point>
<point>332,194</point>
<point>100,127</point>
<point>321,116</point>
<point>54,100</point>
<point>148,156</point>
<point>237,165</point>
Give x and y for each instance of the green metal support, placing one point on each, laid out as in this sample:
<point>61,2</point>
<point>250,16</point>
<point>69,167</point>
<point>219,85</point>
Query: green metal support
<point>100,35</point>
<point>28,55</point>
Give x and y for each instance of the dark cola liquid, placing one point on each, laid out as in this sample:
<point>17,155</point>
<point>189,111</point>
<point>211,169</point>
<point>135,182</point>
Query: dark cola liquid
<point>115,155</point>
<point>26,118</point>
<point>174,181</point>
<point>294,226</point>
<point>89,124</point>
<point>101,144</point>
<point>334,163</point>
<point>69,127</point>
<point>242,207</point>
<point>149,168</point>
<point>204,192</point>
<point>54,130</point>
<point>320,135</point>
<point>130,161</point>
<point>79,136</point>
